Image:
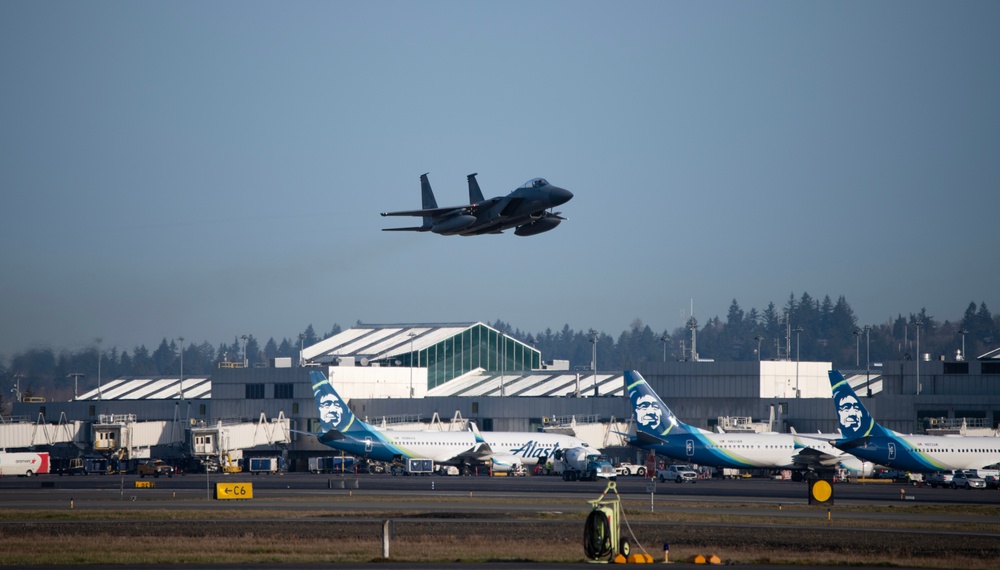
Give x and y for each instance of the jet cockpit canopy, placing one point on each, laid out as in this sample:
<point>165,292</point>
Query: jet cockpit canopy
<point>535,183</point>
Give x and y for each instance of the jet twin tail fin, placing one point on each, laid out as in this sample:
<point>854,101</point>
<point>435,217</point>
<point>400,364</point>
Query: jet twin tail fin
<point>334,414</point>
<point>854,419</point>
<point>475,194</point>
<point>653,419</point>
<point>427,199</point>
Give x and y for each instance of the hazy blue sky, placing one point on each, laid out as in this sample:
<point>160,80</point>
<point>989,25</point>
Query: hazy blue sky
<point>213,169</point>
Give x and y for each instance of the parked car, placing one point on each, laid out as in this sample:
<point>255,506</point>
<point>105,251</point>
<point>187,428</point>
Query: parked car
<point>992,482</point>
<point>966,480</point>
<point>154,467</point>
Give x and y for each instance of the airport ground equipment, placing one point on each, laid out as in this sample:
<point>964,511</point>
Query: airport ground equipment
<point>419,466</point>
<point>602,540</point>
<point>259,465</point>
<point>332,464</point>
<point>582,464</point>
<point>630,469</point>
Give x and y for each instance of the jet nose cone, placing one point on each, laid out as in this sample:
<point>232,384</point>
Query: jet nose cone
<point>559,196</point>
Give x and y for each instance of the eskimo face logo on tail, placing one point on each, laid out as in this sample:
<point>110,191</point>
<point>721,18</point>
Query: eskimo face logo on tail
<point>853,418</point>
<point>333,412</point>
<point>648,412</point>
<point>651,414</point>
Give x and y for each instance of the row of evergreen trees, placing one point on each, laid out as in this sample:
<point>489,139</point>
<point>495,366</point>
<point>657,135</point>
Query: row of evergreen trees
<point>803,328</point>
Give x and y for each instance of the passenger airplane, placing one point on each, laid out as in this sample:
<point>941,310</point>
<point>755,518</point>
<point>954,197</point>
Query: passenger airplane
<point>524,208</point>
<point>864,438</point>
<point>657,429</point>
<point>343,431</point>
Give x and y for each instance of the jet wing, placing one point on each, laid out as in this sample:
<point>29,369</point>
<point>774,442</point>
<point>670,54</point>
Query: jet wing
<point>479,452</point>
<point>814,458</point>
<point>647,439</point>
<point>433,212</point>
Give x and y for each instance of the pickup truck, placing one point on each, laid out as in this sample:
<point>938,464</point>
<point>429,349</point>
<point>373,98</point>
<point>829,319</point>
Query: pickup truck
<point>677,474</point>
<point>154,467</point>
<point>940,479</point>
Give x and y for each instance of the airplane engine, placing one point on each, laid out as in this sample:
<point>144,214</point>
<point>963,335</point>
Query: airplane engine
<point>537,227</point>
<point>453,224</point>
<point>505,463</point>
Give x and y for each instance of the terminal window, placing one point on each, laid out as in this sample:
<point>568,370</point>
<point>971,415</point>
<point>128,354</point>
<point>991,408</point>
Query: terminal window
<point>255,392</point>
<point>283,391</point>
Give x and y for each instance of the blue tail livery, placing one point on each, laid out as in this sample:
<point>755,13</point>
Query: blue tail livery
<point>343,431</point>
<point>863,437</point>
<point>659,430</point>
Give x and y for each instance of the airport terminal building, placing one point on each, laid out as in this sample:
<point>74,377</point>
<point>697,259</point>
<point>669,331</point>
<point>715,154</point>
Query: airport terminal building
<point>409,374</point>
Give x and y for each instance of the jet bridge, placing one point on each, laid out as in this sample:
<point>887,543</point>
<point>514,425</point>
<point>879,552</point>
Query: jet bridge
<point>16,433</point>
<point>121,432</point>
<point>212,442</point>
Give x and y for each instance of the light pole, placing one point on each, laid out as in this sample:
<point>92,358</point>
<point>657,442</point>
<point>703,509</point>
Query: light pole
<point>244,339</point>
<point>963,332</point>
<point>868,359</point>
<point>918,324</point>
<point>797,331</point>
<point>302,339</point>
<point>857,347</point>
<point>181,339</point>
<point>758,338</point>
<point>502,353</point>
<point>17,385</point>
<point>99,396</point>
<point>411,335</point>
<point>593,362</point>
<point>664,339</point>
<point>76,383</point>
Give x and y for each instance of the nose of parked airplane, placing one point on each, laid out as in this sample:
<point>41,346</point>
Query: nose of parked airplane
<point>559,195</point>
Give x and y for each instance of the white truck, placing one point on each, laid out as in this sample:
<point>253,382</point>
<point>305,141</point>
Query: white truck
<point>940,478</point>
<point>23,464</point>
<point>582,464</point>
<point>677,474</point>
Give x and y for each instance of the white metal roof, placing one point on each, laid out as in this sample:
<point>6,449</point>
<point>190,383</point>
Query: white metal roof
<point>158,388</point>
<point>382,341</point>
<point>531,383</point>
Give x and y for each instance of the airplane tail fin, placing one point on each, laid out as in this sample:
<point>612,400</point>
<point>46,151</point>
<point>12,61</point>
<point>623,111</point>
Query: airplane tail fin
<point>653,419</point>
<point>853,417</point>
<point>475,194</point>
<point>334,414</point>
<point>427,199</point>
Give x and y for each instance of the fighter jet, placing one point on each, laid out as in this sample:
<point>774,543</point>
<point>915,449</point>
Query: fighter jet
<point>526,208</point>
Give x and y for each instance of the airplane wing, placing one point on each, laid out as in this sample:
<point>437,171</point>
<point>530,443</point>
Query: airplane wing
<point>432,211</point>
<point>810,457</point>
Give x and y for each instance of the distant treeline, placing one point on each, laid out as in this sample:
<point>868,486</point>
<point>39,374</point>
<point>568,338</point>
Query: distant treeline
<point>803,328</point>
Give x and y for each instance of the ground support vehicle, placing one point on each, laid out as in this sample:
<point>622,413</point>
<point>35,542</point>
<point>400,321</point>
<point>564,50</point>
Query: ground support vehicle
<point>154,468</point>
<point>677,474</point>
<point>581,464</point>
<point>331,464</point>
<point>630,470</point>
<point>259,465</point>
